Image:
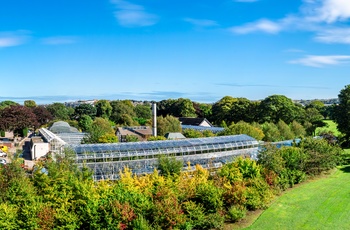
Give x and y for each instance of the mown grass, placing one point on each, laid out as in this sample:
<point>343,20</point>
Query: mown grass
<point>320,204</point>
<point>331,126</point>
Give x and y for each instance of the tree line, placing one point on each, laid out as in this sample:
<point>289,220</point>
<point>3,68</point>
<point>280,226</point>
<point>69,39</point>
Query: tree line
<point>268,114</point>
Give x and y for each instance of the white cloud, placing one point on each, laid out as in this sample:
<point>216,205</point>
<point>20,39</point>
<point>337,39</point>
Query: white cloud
<point>330,11</point>
<point>325,18</point>
<point>321,61</point>
<point>8,39</point>
<point>337,35</point>
<point>132,15</point>
<point>262,25</point>
<point>59,40</point>
<point>201,22</point>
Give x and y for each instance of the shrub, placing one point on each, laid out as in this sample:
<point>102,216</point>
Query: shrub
<point>235,195</point>
<point>321,155</point>
<point>169,165</point>
<point>231,172</point>
<point>258,194</point>
<point>248,167</point>
<point>195,214</point>
<point>141,223</point>
<point>214,221</point>
<point>271,132</point>
<point>236,212</point>
<point>209,196</point>
<point>167,212</point>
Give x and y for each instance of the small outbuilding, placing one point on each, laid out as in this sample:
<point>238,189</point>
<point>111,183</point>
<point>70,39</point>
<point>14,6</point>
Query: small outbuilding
<point>38,148</point>
<point>174,136</point>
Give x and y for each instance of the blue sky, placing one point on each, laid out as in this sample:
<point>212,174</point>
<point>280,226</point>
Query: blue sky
<point>64,50</point>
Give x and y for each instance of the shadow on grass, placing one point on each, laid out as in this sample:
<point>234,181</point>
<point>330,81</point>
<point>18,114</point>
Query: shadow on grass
<point>345,169</point>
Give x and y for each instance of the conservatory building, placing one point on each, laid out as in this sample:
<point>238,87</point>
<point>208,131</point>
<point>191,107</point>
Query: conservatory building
<point>107,160</point>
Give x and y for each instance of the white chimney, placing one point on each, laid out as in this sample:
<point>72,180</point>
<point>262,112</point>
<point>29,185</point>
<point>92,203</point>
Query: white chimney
<point>154,119</point>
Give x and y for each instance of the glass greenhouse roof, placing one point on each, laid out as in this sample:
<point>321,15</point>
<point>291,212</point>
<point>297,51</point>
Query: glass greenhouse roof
<point>214,142</point>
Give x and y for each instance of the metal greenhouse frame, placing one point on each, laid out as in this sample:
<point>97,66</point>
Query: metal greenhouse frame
<point>107,160</point>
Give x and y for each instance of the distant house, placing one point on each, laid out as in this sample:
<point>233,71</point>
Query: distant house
<point>38,148</point>
<point>141,132</point>
<point>174,136</point>
<point>195,121</point>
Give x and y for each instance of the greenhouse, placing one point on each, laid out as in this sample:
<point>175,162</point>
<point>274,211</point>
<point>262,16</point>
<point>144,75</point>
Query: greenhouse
<point>107,160</point>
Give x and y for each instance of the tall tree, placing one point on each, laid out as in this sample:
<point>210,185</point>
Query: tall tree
<point>143,111</point>
<point>17,117</point>
<point>165,107</point>
<point>243,128</point>
<point>221,110</point>
<point>101,131</point>
<point>242,110</point>
<point>59,111</point>
<point>85,122</point>
<point>122,112</point>
<point>279,107</point>
<point>342,113</point>
<point>183,107</point>
<point>85,109</point>
<point>43,116</point>
<point>203,110</point>
<point>167,124</point>
<point>104,109</point>
<point>314,118</point>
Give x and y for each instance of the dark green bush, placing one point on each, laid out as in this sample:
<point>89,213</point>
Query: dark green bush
<point>321,156</point>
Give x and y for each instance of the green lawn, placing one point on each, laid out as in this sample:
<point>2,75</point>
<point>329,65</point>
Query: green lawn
<point>320,204</point>
<point>331,126</point>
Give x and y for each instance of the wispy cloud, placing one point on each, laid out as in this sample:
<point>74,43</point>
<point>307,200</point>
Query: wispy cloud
<point>322,61</point>
<point>201,22</point>
<point>8,39</point>
<point>337,35</point>
<point>59,40</point>
<point>132,15</point>
<point>262,25</point>
<point>325,18</point>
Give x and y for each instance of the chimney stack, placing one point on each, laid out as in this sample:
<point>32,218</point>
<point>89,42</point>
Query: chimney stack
<point>154,119</point>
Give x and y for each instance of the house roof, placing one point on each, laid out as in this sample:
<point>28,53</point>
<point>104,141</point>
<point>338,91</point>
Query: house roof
<point>135,130</point>
<point>197,121</point>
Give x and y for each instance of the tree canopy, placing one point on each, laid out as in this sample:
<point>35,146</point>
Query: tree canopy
<point>342,113</point>
<point>17,117</point>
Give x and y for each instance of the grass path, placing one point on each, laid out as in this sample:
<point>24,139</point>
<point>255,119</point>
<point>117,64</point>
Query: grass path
<point>320,204</point>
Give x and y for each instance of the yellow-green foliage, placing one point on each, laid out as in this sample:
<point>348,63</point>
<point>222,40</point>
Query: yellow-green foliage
<point>8,216</point>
